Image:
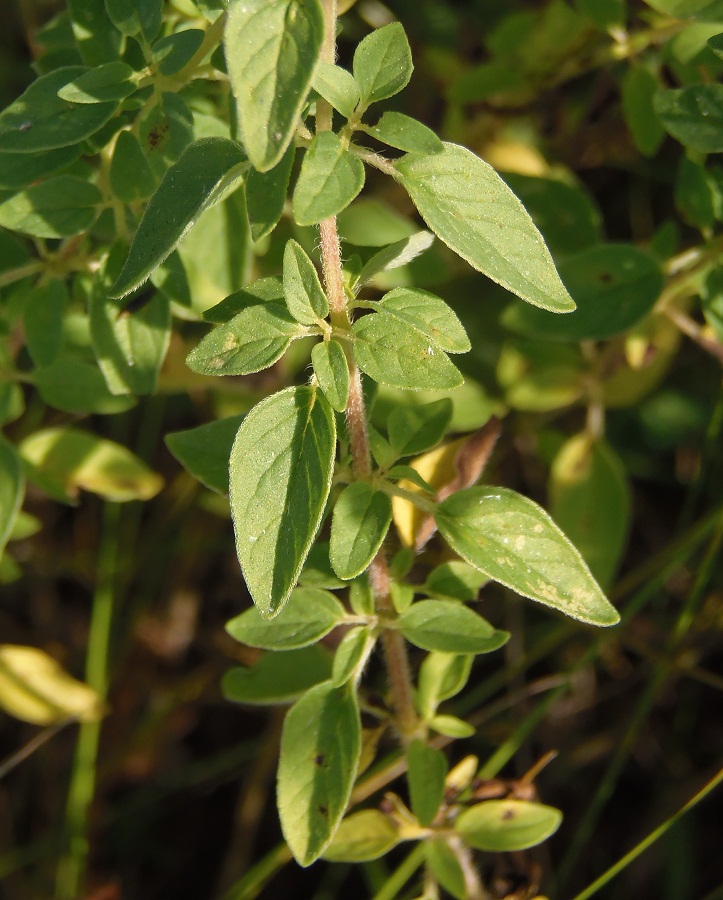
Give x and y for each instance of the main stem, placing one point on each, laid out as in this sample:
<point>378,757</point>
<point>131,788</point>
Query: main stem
<point>395,648</point>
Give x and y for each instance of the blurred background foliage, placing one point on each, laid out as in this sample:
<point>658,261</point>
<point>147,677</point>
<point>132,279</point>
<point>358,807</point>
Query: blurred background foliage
<point>614,422</point>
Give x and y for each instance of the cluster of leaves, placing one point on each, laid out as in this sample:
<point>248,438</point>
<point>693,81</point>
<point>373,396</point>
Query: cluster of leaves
<point>146,118</point>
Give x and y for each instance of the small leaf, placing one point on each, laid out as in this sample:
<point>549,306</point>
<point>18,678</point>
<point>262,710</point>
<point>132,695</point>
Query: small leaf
<point>693,116</point>
<point>351,654</point>
<point>43,320</point>
<point>72,460</point>
<point>165,132</point>
<point>292,435</point>
<point>466,203</point>
<point>332,372</point>
<point>407,473</point>
<point>395,353</point>
<point>197,181</point>
<point>277,678</point>
<point>502,826</point>
<point>18,170</point>
<point>330,178</point>
<point>304,294</point>
<point>61,206</point>
<point>361,837</point>
<point>12,490</point>
<point>317,571</point>
<point>94,34</point>
<point>266,195</point>
<point>427,769</point>
<point>173,52</point>
<point>131,177</point>
<point>514,542</point>
<point>34,688</point>
<point>337,86</point>
<point>271,49</point>
<point>638,91</point>
<point>415,429</point>
<point>76,386</point>
<point>445,867</point>
<point>405,133</point>
<point>430,315</point>
<point>539,376</point>
<point>253,340</point>
<point>320,748</point>
<point>109,82</point>
<point>451,726</point>
<point>449,627</point>
<point>204,451</point>
<point>395,255</point>
<point>260,291</point>
<point>136,16</point>
<point>383,63</point>
<point>308,615</point>
<point>455,579</point>
<point>373,223</point>
<point>702,10</point>
<point>359,525</point>
<point>441,676</point>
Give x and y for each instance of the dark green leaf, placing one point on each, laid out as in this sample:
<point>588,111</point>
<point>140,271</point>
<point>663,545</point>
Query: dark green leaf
<point>405,133</point>
<point>171,53</point>
<point>383,63</point>
<point>393,352</point>
<point>204,451</point>
<point>359,524</point>
<point>716,45</point>
<point>702,10</point>
<point>317,571</point>
<point>76,386</point>
<point>131,177</point>
<point>407,473</point>
<point>329,180</point>
<point>320,749</point>
<point>253,294</point>
<point>272,47</point>
<point>136,16</point>
<point>197,181</point>
<point>109,82</point>
<point>332,372</point>
<point>514,541</point>
<point>361,837</point>
<point>695,194</point>
<point>12,490</point>
<point>604,13</point>
<point>43,320</point>
<point>337,86</point>
<point>455,579</point>
<point>281,467</point>
<point>430,315</point>
<point>165,132</point>
<point>97,39</point>
<point>253,340</point>
<point>17,170</point>
<point>416,429</point>
<point>466,203</point>
<point>62,206</point>
<point>638,91</point>
<point>502,826</point>
<point>304,294</point>
<point>40,120</point>
<point>693,116</point>
<point>449,627</point>
<point>427,769</point>
<point>277,677</point>
<point>266,195</point>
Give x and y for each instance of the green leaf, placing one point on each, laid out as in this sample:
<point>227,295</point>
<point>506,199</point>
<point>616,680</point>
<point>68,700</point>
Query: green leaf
<point>171,53</point>
<point>330,178</point>
<point>304,294</point>
<point>317,571</point>
<point>43,320</point>
<point>695,194</point>
<point>277,678</point>
<point>71,460</point>
<point>351,654</point>
<point>540,376</point>
<point>614,285</point>
<point>590,498</point>
<point>638,91</point>
<point>441,676</point>
<point>361,598</point>
<point>466,203</point>
<point>716,45</point>
<point>96,38</point>
<point>393,352</point>
<point>204,451</point>
<point>12,490</point>
<point>165,132</point>
<point>445,867</point>
<point>502,826</point>
<point>253,340</point>
<point>271,48</point>
<point>407,473</point>
<point>514,542</point>
<point>427,769</point>
<point>18,170</point>
<point>693,116</point>
<point>604,13</point>
<point>40,120</point>
<point>266,195</point>
<point>359,524</point>
<point>76,386</point>
<point>451,726</point>
<point>253,294</point>
<point>712,302</point>
<point>455,579</point>
<point>404,133</point>
<point>449,627</point>
<point>383,63</point>
<point>428,314</point>
<point>320,749</point>
<point>62,206</point>
<point>416,429</point>
<point>395,255</point>
<point>199,179</point>
<point>134,17</point>
<point>332,372</point>
<point>337,86</point>
<point>111,81</point>
<point>373,223</point>
<point>308,615</point>
<point>361,837</point>
<point>281,466</point>
<point>702,10</point>
<point>131,177</point>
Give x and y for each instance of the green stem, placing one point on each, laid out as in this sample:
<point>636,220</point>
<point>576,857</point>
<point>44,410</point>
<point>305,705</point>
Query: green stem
<point>72,866</point>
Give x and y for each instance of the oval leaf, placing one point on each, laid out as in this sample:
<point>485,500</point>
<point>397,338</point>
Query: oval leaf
<point>320,749</point>
<point>416,429</point>
<point>430,315</point>
<point>362,836</point>
<point>501,826</point>
<point>405,133</point>
<point>277,678</point>
<point>514,542</point>
<point>383,63</point>
<point>271,49</point>
<point>12,490</point>
<point>330,178</point>
<point>332,372</point>
<point>693,116</point>
<point>449,627</point>
<point>290,436</point>
<point>337,86</point>
<point>266,195</point>
<point>204,451</point>
<point>304,294</point>
<point>427,769</point>
<point>351,654</point>
<point>359,524</point>
<point>111,81</point>
<point>58,207</point>
<point>468,206</point>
